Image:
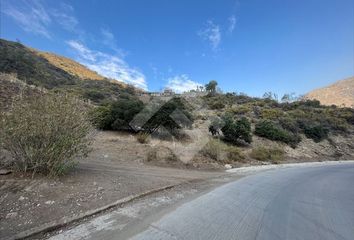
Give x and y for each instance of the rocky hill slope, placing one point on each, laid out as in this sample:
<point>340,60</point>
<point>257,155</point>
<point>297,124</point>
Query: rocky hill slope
<point>340,93</point>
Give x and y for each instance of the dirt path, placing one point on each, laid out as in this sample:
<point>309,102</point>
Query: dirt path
<point>113,171</point>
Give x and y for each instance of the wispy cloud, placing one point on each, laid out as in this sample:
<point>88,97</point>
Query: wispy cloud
<point>66,19</point>
<point>232,23</point>
<point>109,40</point>
<point>108,65</point>
<point>31,16</point>
<point>35,17</point>
<point>182,83</point>
<point>83,52</point>
<point>212,34</point>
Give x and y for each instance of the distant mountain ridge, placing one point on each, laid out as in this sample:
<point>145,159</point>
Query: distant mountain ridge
<point>340,93</point>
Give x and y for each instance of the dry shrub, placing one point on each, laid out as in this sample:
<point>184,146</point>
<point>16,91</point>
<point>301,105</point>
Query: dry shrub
<point>45,134</point>
<point>234,154</point>
<point>142,137</point>
<point>274,155</point>
<point>161,155</point>
<point>213,149</point>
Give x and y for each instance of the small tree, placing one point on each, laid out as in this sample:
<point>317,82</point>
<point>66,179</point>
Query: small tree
<point>237,130</point>
<point>211,86</point>
<point>44,134</point>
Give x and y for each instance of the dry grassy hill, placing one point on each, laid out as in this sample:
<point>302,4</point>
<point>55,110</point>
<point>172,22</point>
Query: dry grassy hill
<point>340,93</point>
<point>69,66</point>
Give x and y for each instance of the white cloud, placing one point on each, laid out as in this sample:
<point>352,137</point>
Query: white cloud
<point>83,52</point>
<point>212,34</point>
<point>232,23</point>
<point>182,83</point>
<point>32,17</point>
<point>108,65</point>
<point>66,19</point>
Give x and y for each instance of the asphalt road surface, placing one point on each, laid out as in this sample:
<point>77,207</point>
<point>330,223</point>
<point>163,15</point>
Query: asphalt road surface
<point>305,203</point>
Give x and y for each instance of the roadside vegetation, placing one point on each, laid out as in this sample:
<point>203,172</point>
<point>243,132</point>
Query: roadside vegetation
<point>279,121</point>
<point>274,155</point>
<point>45,134</point>
<point>132,115</point>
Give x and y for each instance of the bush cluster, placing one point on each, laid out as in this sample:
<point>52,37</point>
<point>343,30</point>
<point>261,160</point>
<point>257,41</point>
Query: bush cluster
<point>272,131</point>
<point>237,130</point>
<point>127,114</point>
<point>116,115</point>
<point>45,134</point>
<point>317,133</point>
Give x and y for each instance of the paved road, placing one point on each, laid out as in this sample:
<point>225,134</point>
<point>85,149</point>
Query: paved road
<point>289,204</point>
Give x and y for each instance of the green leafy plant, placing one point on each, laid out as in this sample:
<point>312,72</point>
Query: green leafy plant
<point>172,116</point>
<point>317,133</point>
<point>237,130</point>
<point>270,130</point>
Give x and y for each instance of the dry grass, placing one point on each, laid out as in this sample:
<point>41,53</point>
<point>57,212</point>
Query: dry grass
<point>70,66</point>
<point>143,137</point>
<point>274,155</point>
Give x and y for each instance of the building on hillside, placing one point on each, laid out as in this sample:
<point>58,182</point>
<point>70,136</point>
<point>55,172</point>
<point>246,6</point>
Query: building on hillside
<point>168,92</point>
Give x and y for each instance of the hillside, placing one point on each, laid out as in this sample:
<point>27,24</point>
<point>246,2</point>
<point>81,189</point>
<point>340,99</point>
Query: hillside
<point>340,93</point>
<point>10,87</point>
<point>70,66</point>
<point>58,73</point>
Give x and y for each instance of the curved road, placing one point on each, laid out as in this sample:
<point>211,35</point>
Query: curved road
<point>312,203</point>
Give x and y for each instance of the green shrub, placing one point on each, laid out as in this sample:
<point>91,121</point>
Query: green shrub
<point>270,130</point>
<point>317,133</point>
<point>235,131</point>
<point>289,124</point>
<point>101,117</point>
<point>116,115</point>
<point>45,134</point>
<point>240,110</point>
<point>94,95</point>
<point>123,111</point>
<point>142,137</point>
<point>275,155</point>
<point>217,105</point>
<point>172,116</point>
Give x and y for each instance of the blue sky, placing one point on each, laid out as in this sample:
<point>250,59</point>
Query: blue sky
<point>250,46</point>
